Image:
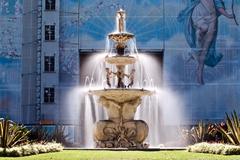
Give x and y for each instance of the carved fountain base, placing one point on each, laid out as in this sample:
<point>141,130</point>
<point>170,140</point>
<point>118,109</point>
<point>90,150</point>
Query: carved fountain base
<point>130,134</point>
<point>120,130</point>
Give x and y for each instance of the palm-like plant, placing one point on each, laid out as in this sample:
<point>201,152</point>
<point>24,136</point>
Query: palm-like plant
<point>232,133</point>
<point>12,134</point>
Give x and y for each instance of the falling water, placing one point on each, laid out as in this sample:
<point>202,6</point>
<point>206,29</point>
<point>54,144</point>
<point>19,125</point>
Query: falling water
<point>161,111</point>
<point>86,113</point>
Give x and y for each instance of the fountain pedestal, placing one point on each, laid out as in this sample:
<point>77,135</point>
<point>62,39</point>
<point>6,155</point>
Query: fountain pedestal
<point>120,130</point>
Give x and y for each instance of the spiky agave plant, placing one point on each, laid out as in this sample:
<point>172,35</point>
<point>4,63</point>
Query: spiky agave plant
<point>59,135</point>
<point>200,133</point>
<point>12,134</point>
<point>232,133</point>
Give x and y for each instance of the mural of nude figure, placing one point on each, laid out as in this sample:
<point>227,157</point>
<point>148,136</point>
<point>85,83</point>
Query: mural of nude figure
<point>200,18</point>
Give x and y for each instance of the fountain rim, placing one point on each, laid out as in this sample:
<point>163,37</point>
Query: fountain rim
<point>144,92</point>
<point>120,37</point>
<point>121,34</point>
<point>120,60</point>
<point>121,95</point>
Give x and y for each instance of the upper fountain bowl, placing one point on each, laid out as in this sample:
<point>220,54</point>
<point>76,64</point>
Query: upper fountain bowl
<point>120,37</point>
<point>120,60</point>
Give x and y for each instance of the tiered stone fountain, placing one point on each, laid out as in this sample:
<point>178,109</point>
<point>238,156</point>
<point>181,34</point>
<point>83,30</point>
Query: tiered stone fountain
<point>120,99</point>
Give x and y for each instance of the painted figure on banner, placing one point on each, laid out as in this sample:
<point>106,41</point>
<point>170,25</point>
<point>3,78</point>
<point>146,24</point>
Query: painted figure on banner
<point>200,19</point>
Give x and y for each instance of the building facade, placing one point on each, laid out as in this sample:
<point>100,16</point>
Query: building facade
<point>40,57</point>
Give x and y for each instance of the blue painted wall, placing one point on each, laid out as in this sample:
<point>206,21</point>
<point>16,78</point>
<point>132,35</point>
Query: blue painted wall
<point>10,58</point>
<point>154,22</point>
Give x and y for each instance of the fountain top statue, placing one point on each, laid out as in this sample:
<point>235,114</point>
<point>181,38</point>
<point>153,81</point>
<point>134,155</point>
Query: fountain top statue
<point>120,19</point>
<point>120,36</point>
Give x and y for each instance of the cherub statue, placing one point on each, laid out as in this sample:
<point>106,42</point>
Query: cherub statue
<point>131,78</point>
<point>108,76</point>
<point>120,76</point>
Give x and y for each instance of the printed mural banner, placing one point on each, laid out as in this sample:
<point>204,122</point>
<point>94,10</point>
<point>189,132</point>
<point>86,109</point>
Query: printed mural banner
<point>201,40</point>
<point>10,58</point>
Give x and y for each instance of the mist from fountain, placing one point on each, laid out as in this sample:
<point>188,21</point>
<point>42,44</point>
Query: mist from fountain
<point>162,111</point>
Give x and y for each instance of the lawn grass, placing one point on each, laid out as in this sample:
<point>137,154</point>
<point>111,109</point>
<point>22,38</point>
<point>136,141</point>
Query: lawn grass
<point>124,155</point>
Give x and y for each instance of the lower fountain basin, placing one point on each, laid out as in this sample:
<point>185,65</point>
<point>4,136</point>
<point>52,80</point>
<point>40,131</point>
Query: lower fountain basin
<point>121,95</point>
<point>120,130</point>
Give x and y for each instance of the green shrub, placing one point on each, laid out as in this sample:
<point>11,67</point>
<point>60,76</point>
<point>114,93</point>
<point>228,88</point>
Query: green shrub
<point>214,148</point>
<point>12,134</point>
<point>60,136</point>
<point>39,135</point>
<point>31,149</point>
<point>42,135</point>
